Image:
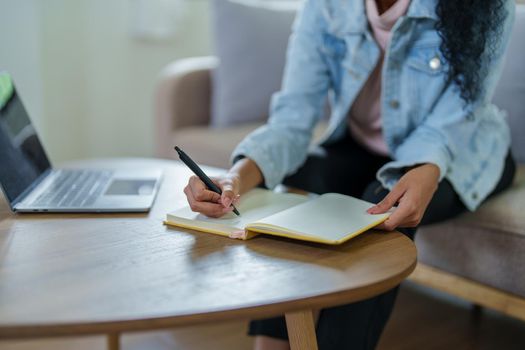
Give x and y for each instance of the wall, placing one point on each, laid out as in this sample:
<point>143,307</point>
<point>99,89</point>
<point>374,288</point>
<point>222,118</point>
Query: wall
<point>106,76</point>
<point>63,64</point>
<point>20,52</point>
<point>87,82</point>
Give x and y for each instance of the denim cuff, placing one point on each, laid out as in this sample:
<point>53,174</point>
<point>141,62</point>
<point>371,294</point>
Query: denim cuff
<point>391,172</point>
<point>265,164</point>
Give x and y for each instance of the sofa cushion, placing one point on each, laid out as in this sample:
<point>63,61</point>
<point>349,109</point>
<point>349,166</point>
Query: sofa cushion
<point>485,246</point>
<point>250,40</point>
<point>510,93</point>
<point>214,146</point>
<point>503,212</point>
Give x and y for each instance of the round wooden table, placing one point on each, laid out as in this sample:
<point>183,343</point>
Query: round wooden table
<point>75,274</point>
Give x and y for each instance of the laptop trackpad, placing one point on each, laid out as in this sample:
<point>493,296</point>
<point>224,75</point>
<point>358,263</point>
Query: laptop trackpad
<point>131,187</point>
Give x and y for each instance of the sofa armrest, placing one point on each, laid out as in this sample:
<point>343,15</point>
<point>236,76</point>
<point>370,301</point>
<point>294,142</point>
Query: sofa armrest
<point>182,98</point>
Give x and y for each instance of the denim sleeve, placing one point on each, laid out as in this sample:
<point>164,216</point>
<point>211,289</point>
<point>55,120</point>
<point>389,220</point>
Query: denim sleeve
<point>437,140</point>
<point>280,147</point>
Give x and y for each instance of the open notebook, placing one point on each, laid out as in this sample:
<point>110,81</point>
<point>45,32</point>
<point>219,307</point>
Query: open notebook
<point>330,218</point>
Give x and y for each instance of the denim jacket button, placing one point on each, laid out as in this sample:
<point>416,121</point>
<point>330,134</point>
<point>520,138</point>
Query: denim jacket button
<point>470,117</point>
<point>474,195</point>
<point>434,63</point>
<point>394,104</point>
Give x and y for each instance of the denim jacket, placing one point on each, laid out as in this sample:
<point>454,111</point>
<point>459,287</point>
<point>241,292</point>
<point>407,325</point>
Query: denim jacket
<point>332,53</point>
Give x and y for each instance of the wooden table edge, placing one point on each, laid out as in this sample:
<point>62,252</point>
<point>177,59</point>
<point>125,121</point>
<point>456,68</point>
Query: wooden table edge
<point>162,322</point>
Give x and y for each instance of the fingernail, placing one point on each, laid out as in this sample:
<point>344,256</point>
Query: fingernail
<point>227,202</point>
<point>236,200</point>
<point>371,210</point>
<point>227,209</point>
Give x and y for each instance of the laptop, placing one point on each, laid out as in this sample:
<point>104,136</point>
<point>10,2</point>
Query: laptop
<point>31,184</point>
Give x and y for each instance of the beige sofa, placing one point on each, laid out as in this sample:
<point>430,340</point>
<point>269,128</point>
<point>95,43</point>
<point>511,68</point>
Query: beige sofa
<point>182,114</point>
<point>478,256</point>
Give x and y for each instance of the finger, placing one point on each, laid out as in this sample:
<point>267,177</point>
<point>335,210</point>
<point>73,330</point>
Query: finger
<point>389,201</point>
<point>201,193</point>
<point>207,196</point>
<point>227,186</point>
<point>412,221</point>
<point>224,184</point>
<point>227,198</point>
<point>196,185</point>
<point>236,199</point>
<point>228,193</point>
<point>187,192</point>
<point>217,181</point>
<point>189,195</point>
<point>234,202</point>
<point>410,224</point>
<point>381,226</point>
<point>398,217</point>
<point>207,208</point>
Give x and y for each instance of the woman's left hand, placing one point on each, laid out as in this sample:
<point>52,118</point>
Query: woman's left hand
<point>413,193</point>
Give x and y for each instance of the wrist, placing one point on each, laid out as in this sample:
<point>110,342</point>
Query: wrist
<point>432,167</point>
<point>422,165</point>
<point>246,173</point>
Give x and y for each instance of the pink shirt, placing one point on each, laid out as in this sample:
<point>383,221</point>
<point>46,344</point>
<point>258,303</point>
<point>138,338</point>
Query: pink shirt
<point>365,115</point>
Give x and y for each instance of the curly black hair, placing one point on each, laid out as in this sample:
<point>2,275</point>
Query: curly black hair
<point>470,31</point>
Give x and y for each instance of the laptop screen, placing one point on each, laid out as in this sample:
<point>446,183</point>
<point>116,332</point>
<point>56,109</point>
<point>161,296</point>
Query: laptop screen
<point>22,157</point>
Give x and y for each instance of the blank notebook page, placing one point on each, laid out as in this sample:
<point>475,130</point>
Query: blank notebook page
<point>330,217</point>
<point>253,206</point>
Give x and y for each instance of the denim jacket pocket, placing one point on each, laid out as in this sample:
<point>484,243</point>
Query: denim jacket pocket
<point>333,46</point>
<point>425,78</point>
<point>427,58</point>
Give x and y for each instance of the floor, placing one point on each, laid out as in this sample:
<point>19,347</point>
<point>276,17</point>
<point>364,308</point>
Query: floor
<point>422,319</point>
<point>426,319</point>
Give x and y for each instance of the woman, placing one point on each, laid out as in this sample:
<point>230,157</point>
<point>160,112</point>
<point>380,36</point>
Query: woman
<point>410,84</point>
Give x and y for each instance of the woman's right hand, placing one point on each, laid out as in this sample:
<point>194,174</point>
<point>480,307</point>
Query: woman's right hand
<point>214,205</point>
<point>209,203</point>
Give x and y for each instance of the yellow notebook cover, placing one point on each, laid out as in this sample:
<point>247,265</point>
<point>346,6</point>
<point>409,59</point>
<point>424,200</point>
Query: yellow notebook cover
<point>330,218</point>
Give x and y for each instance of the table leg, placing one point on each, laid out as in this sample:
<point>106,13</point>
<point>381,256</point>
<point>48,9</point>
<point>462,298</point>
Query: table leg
<point>113,341</point>
<point>301,330</point>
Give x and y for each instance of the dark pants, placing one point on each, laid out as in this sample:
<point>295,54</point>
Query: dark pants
<point>348,168</point>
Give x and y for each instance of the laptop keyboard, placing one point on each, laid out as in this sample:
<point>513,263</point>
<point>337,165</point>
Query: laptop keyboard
<point>74,189</point>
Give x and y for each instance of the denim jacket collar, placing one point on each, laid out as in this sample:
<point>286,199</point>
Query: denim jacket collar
<point>423,9</point>
<point>351,17</point>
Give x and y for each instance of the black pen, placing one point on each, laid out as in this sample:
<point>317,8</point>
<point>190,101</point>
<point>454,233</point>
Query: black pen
<point>198,171</point>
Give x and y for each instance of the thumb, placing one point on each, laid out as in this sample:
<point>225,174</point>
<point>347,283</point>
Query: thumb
<point>388,202</point>
<point>228,195</point>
